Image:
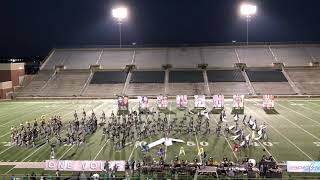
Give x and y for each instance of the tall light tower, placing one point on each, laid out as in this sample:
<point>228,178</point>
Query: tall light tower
<point>120,13</point>
<point>248,10</point>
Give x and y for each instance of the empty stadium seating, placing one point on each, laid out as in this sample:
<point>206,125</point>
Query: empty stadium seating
<point>136,89</point>
<point>219,57</point>
<point>66,83</point>
<point>182,80</point>
<point>229,88</point>
<point>184,57</point>
<point>108,77</point>
<point>116,59</point>
<point>186,76</point>
<point>35,85</point>
<point>103,90</point>
<point>225,76</point>
<point>186,88</point>
<point>274,88</point>
<point>306,79</point>
<point>151,58</point>
<point>255,56</point>
<point>292,56</point>
<point>266,76</point>
<point>146,83</point>
<point>147,77</point>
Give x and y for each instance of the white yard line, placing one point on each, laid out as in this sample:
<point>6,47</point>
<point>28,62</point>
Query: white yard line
<point>299,114</point>
<point>6,149</point>
<point>165,151</point>
<point>101,150</point>
<point>26,158</point>
<point>198,148</point>
<point>307,108</point>
<point>234,154</point>
<point>20,117</point>
<point>134,145</point>
<point>283,136</point>
<point>313,103</point>
<point>66,152</point>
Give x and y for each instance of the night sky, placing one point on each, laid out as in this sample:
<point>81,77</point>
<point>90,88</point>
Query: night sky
<point>33,27</point>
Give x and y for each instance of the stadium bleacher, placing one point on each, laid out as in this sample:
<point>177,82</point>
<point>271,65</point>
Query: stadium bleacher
<point>227,82</point>
<point>306,79</point>
<point>151,58</point>
<point>292,56</point>
<point>255,56</point>
<point>219,57</point>
<point>146,82</point>
<point>269,82</point>
<point>66,83</point>
<point>115,59</point>
<point>108,77</point>
<point>35,85</point>
<point>184,57</point>
<point>225,76</point>
<point>182,79</point>
<point>186,82</point>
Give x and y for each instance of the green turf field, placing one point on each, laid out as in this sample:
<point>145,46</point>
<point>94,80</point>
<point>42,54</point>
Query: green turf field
<point>294,132</point>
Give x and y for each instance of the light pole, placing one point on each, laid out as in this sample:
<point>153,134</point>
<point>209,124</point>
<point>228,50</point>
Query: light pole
<point>248,10</point>
<point>120,13</point>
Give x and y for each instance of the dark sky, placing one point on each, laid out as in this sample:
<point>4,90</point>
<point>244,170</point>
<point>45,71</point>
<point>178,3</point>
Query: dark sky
<point>33,27</point>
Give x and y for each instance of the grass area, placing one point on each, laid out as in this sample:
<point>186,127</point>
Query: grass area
<point>294,132</point>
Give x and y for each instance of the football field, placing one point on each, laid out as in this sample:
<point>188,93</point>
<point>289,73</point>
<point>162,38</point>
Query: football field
<point>293,132</point>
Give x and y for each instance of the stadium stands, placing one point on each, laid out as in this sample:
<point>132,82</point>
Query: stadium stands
<point>274,88</point>
<point>66,83</point>
<point>219,57</point>
<point>269,82</point>
<point>185,76</point>
<point>184,57</point>
<point>81,59</point>
<point>229,88</point>
<point>227,82</point>
<point>116,59</point>
<point>292,56</point>
<point>314,53</point>
<point>108,77</point>
<point>255,56</point>
<point>225,76</point>
<point>105,84</point>
<point>35,85</point>
<point>150,58</point>
<point>266,76</point>
<point>182,80</point>
<point>186,82</point>
<point>306,79</point>
<point>146,82</point>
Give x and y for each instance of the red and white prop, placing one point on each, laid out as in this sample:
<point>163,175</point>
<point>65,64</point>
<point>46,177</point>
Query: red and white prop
<point>182,101</point>
<point>123,103</point>
<point>268,102</point>
<point>162,102</point>
<point>199,101</point>
<point>218,101</point>
<point>143,102</point>
<point>238,101</point>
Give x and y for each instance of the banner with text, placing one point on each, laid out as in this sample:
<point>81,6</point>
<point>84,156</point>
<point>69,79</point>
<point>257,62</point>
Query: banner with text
<point>68,165</point>
<point>303,166</point>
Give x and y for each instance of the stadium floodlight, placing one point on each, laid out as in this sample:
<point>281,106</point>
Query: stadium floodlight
<point>120,13</point>
<point>248,10</point>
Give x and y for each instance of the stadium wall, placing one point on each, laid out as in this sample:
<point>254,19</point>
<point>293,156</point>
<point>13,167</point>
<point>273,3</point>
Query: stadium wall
<point>5,87</point>
<point>12,72</point>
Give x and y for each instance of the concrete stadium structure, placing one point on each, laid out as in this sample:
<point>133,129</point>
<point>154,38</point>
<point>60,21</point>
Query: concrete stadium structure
<point>286,69</point>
